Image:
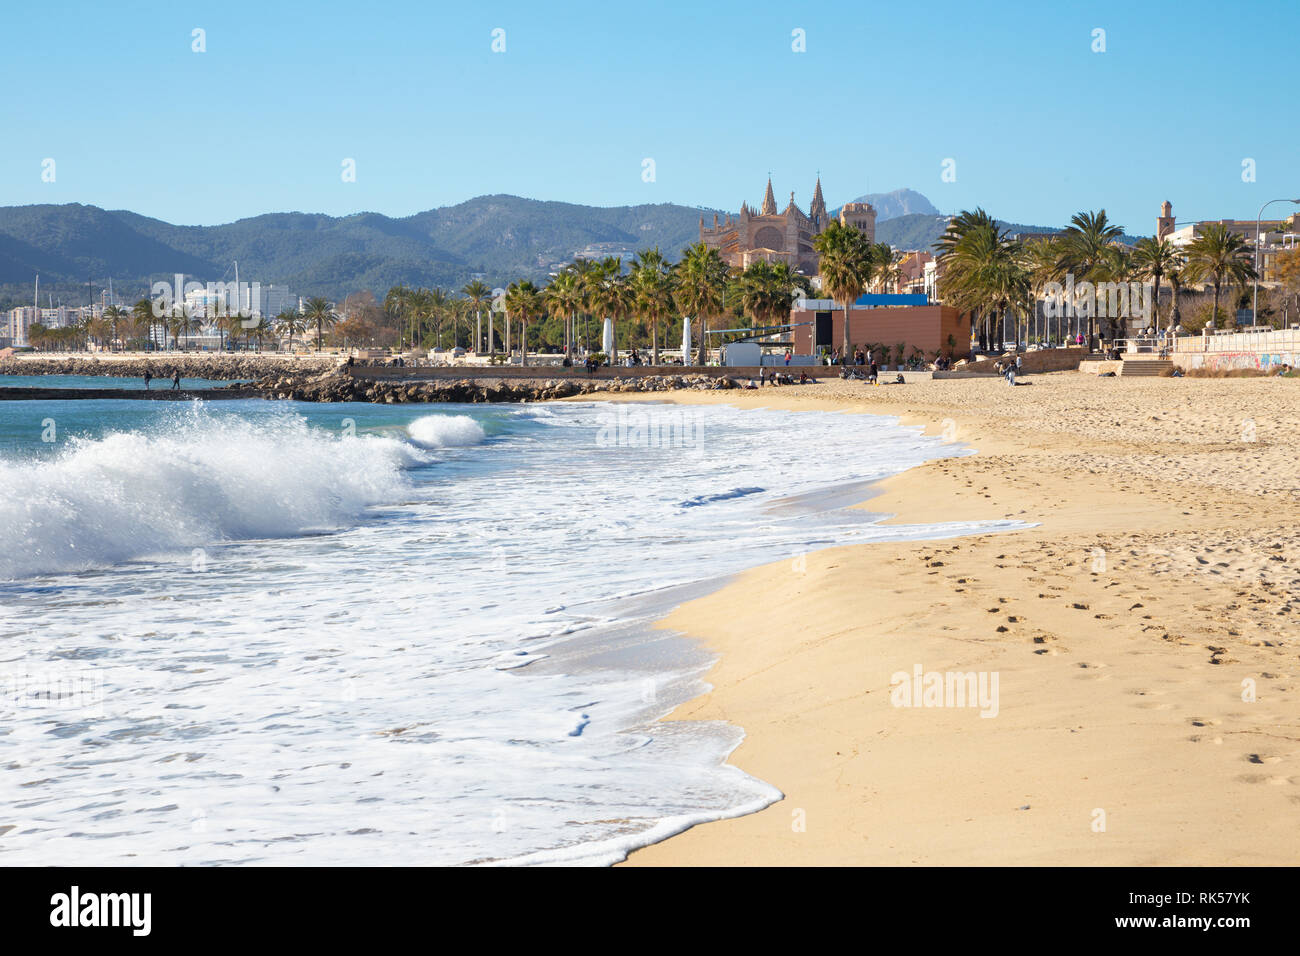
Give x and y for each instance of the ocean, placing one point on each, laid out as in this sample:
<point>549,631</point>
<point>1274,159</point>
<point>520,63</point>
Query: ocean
<point>254,632</point>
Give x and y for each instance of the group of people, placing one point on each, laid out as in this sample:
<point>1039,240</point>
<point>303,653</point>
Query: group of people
<point>176,379</point>
<point>1008,369</point>
<point>778,378</point>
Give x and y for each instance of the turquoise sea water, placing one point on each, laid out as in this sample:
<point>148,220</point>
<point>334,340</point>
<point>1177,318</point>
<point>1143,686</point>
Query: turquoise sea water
<point>272,632</point>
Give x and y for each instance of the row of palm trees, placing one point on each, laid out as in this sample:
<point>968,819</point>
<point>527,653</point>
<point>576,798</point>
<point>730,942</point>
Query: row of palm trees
<point>990,274</point>
<point>699,287</point>
<point>652,291</point>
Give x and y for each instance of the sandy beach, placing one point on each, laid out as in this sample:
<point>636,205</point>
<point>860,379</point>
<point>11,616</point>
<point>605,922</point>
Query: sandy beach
<point>1144,636</point>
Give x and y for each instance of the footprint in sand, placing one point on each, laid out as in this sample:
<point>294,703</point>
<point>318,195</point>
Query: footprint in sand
<point>1272,781</point>
<point>1205,721</point>
<point>1263,758</point>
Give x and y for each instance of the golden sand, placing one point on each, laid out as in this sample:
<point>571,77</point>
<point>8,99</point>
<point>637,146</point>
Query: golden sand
<point>1145,636</point>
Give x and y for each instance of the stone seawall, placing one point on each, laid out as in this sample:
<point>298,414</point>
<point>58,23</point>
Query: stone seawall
<point>342,386</point>
<point>209,366</point>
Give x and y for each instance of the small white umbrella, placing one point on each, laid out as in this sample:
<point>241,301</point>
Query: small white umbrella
<point>686,340</point>
<point>608,340</point>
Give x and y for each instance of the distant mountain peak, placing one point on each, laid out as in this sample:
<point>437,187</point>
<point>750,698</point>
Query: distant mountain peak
<point>900,202</point>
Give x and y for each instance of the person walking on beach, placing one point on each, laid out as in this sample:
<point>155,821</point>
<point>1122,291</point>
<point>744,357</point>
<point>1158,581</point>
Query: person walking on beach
<point>176,380</point>
<point>787,357</point>
<point>148,377</point>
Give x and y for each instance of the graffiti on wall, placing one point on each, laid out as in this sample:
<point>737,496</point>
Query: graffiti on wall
<point>1227,361</point>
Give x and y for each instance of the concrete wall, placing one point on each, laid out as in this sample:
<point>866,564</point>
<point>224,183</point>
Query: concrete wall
<point>1227,361</point>
<point>1236,350</point>
<point>1043,360</point>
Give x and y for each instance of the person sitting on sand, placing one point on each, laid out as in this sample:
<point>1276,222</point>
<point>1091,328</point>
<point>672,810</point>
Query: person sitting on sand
<point>803,378</point>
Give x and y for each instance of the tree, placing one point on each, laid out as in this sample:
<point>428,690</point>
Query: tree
<point>396,303</point>
<point>320,314</point>
<point>1119,269</point>
<point>766,290</point>
<point>984,272</point>
<point>144,317</point>
<point>1084,252</point>
<point>615,299</point>
<point>1041,260</point>
<point>1155,259</point>
<point>699,279</point>
<point>846,266</point>
<point>1220,255</point>
<point>524,301</point>
<point>564,297</point>
<point>652,290</point>
<point>291,321</point>
<point>115,319</point>
<point>479,295</point>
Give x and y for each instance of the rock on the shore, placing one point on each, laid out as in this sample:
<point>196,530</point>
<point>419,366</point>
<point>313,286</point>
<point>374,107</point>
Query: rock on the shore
<point>213,366</point>
<point>341,387</point>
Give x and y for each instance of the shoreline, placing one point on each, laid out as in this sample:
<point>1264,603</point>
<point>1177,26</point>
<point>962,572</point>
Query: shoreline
<point>1121,626</point>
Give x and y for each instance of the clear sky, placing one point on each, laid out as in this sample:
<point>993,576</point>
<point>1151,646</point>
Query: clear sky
<point>1038,125</point>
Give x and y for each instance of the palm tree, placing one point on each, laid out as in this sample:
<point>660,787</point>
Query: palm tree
<point>886,273</point>
<point>563,297</point>
<point>652,287</point>
<point>232,324</point>
<point>436,304</point>
<point>320,314</point>
<point>479,295</point>
<point>523,300</point>
<point>1041,261</point>
<point>396,303</point>
<point>1175,274</point>
<point>178,323</point>
<point>1085,246</point>
<point>615,299</point>
<point>847,265</point>
<point>984,273</point>
<point>142,312</point>
<point>1119,269</point>
<point>766,290</point>
<point>1219,254</point>
<point>115,317</point>
<point>1155,259</point>
<point>291,321</point>
<point>699,281</point>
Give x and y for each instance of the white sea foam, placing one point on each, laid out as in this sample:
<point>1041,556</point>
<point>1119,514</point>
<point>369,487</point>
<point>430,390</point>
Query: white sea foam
<point>445,431</point>
<point>197,479</point>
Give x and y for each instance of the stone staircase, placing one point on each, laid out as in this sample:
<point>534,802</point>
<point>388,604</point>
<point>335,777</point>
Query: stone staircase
<point>1144,366</point>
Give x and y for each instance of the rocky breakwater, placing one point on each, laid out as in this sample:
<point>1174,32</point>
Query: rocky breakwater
<point>339,386</point>
<point>205,365</point>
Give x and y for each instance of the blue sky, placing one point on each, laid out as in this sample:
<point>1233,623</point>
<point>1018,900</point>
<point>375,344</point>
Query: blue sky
<point>1039,125</point>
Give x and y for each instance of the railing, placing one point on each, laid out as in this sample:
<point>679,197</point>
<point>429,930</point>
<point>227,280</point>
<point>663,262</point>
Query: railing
<point>1145,346</point>
<point>1261,340</point>
<point>1162,346</point>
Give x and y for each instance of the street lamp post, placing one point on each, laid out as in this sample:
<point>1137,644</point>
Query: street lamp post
<point>1254,305</point>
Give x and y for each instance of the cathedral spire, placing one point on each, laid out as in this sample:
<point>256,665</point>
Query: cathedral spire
<point>817,211</point>
<point>769,200</point>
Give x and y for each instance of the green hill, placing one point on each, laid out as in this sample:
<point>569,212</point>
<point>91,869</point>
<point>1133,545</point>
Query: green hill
<point>77,248</point>
<point>503,237</point>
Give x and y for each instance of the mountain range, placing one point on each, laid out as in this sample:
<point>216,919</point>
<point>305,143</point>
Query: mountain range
<point>76,248</point>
